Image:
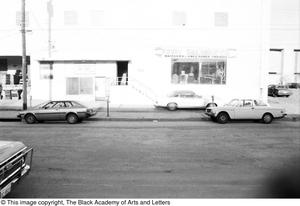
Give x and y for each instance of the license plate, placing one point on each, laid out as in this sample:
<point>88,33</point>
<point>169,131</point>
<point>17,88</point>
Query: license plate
<point>6,190</point>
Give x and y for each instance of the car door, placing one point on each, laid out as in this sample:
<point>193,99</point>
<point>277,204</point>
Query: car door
<point>188,100</point>
<point>45,111</point>
<point>59,111</point>
<point>245,110</point>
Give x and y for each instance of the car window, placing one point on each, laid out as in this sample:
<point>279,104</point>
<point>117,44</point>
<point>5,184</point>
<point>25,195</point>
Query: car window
<point>59,105</point>
<point>76,104</point>
<point>68,104</point>
<point>187,95</point>
<point>49,105</point>
<point>247,103</point>
<point>259,103</point>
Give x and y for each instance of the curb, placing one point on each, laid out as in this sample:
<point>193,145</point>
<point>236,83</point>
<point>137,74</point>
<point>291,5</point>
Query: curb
<point>290,119</point>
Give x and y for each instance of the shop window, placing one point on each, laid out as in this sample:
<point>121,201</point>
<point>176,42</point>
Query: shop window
<point>72,86</point>
<point>79,85</point>
<point>86,85</point>
<point>70,18</point>
<point>202,72</point>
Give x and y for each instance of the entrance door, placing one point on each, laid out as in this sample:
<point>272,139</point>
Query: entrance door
<point>122,72</point>
<point>100,88</point>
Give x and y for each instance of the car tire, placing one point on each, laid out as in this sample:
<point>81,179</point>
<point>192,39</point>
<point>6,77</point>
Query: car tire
<point>267,118</point>
<point>30,119</point>
<point>72,118</point>
<point>222,118</point>
<point>172,106</point>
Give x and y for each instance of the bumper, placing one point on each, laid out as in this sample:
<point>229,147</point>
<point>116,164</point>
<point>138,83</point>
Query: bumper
<point>280,117</point>
<point>90,114</point>
<point>11,181</point>
<point>210,114</point>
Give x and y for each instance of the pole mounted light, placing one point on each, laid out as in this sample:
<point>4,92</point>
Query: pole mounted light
<point>24,62</point>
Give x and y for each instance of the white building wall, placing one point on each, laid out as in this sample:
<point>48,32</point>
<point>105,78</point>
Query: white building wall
<point>132,30</point>
<point>285,34</point>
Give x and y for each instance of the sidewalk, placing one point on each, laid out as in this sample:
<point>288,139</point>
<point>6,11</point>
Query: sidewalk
<point>141,114</point>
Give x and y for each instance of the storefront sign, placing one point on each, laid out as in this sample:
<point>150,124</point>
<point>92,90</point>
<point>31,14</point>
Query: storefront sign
<point>80,69</point>
<point>195,53</point>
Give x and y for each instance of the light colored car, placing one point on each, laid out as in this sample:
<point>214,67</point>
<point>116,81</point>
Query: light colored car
<point>279,91</point>
<point>15,163</point>
<point>71,111</point>
<point>245,109</point>
<point>182,99</point>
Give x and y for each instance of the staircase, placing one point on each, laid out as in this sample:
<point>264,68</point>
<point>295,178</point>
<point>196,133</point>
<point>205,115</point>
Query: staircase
<point>130,96</point>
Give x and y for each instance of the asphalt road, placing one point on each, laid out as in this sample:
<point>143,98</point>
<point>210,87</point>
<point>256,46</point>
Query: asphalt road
<point>98,159</point>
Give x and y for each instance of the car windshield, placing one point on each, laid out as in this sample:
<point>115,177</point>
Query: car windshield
<point>234,103</point>
<point>281,87</point>
<point>40,105</point>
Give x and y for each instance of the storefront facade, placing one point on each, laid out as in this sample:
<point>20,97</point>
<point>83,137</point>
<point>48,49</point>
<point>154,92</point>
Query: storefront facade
<point>215,48</point>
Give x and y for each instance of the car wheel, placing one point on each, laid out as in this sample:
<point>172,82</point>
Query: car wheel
<point>223,118</point>
<point>72,118</point>
<point>172,106</point>
<point>30,119</point>
<point>211,105</point>
<point>267,118</point>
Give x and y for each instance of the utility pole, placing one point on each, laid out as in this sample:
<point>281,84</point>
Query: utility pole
<point>50,14</point>
<point>24,62</point>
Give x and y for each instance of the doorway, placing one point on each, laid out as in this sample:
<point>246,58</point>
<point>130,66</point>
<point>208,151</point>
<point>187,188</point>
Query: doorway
<point>122,72</point>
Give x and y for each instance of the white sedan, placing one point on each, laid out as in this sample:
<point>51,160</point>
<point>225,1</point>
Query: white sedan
<point>245,109</point>
<point>182,99</point>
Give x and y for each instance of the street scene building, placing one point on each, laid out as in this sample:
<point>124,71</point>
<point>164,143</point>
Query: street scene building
<point>125,99</point>
<point>135,52</point>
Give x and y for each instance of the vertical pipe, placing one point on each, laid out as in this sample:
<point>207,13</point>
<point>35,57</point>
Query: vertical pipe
<point>24,66</point>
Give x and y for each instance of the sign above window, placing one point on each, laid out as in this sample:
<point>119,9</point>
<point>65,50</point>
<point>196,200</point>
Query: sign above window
<point>195,53</point>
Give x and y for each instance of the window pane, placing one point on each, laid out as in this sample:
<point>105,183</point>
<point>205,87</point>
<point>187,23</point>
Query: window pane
<point>208,72</point>
<point>213,73</point>
<point>185,72</point>
<point>86,85</point>
<point>72,86</point>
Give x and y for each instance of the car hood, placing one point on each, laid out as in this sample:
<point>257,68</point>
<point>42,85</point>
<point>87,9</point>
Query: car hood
<point>9,148</point>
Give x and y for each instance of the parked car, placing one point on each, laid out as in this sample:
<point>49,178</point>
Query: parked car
<point>71,111</point>
<point>294,85</point>
<point>245,109</point>
<point>279,90</point>
<point>183,99</point>
<point>15,163</point>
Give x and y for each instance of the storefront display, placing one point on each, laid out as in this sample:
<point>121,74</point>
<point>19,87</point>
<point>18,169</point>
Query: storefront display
<point>198,72</point>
